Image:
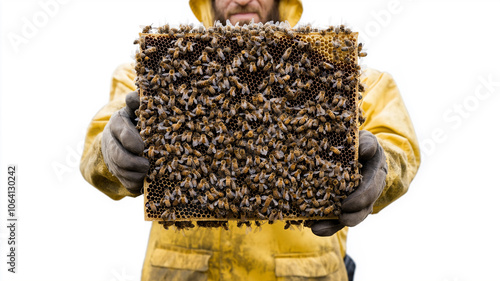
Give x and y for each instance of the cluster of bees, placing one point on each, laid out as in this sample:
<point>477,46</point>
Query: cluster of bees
<point>250,123</point>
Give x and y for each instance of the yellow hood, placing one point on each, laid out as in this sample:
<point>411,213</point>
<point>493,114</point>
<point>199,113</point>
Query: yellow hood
<point>290,10</point>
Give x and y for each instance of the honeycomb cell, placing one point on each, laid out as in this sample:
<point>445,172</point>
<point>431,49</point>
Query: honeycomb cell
<point>249,123</point>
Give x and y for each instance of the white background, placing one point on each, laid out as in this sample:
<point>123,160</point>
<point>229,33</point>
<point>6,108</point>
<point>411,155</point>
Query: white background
<point>56,75</point>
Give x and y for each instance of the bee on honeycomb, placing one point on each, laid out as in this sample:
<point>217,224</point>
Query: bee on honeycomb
<point>249,123</point>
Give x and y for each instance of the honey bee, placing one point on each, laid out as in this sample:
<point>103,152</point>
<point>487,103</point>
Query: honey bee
<point>187,136</point>
<point>197,70</point>
<point>345,49</point>
<point>236,62</point>
<point>245,170</point>
<point>356,178</point>
<point>326,66</point>
<point>151,152</point>
<point>178,42</point>
<point>276,108</point>
<point>156,80</point>
<point>342,102</point>
<point>303,206</point>
<point>166,200</point>
<point>239,40</point>
<point>348,43</point>
<point>216,193</point>
<point>320,111</point>
<point>258,200</point>
<point>315,202</point>
<point>328,127</point>
<point>210,207</point>
<point>183,199</point>
<point>345,175</point>
<point>260,61</point>
<point>182,72</point>
<point>287,54</point>
<point>273,216</point>
<point>245,126</point>
<point>267,203</point>
<point>202,200</point>
<point>150,104</point>
<point>284,71</point>
<point>267,67</point>
<point>203,57</point>
<point>163,170</point>
<point>235,81</point>
<point>283,127</point>
<point>152,206</point>
<point>272,78</point>
<point>220,54</point>
<point>331,114</point>
<point>301,128</point>
<point>189,46</point>
<point>225,105</point>
<point>219,139</point>
<point>342,185</point>
<point>203,139</point>
<point>176,126</point>
<point>234,209</point>
<point>252,67</point>
<point>224,84</point>
<point>312,151</point>
<point>219,154</point>
<point>321,96</point>
<point>175,52</point>
<point>245,89</point>
<point>151,120</point>
<point>219,97</point>
<point>214,42</point>
<point>262,150</point>
<point>199,110</point>
<point>244,54</point>
<point>168,215</point>
<point>150,50</point>
<point>160,161</point>
<point>307,85</point>
<point>360,47</point>
<point>245,201</point>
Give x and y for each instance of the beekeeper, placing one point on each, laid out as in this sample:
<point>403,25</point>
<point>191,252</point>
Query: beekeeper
<point>388,150</point>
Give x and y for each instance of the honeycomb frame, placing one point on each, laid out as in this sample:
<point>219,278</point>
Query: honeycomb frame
<point>225,145</point>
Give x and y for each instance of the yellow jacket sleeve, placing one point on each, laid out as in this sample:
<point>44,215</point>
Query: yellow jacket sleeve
<point>388,119</point>
<point>92,164</point>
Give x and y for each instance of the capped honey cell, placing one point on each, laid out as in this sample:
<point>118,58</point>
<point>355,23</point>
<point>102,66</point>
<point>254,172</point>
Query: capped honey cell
<point>251,123</point>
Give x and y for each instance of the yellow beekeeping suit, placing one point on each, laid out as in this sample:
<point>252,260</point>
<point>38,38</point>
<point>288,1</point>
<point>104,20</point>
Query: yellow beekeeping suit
<point>271,253</point>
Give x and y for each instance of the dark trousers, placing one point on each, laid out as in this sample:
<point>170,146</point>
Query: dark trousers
<point>350,266</point>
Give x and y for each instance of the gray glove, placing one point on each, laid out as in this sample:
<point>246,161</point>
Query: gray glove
<point>122,146</point>
<point>358,205</point>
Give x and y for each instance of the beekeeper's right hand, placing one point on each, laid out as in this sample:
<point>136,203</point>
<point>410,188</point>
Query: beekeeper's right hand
<point>122,147</point>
